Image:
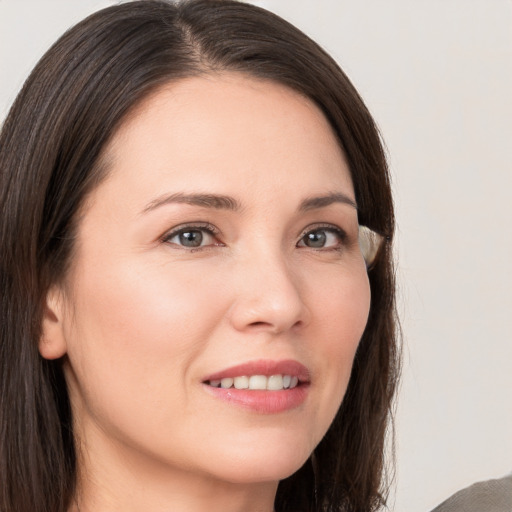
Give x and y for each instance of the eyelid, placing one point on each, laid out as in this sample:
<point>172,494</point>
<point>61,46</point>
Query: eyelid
<point>181,228</point>
<point>333,228</point>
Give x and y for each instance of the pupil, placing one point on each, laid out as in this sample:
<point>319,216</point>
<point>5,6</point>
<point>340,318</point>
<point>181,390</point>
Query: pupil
<point>316,239</point>
<point>191,238</point>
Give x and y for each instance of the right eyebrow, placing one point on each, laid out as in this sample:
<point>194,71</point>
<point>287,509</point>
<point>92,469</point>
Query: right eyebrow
<point>218,202</point>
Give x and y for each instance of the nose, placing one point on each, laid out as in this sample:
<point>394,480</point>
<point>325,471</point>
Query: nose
<point>268,297</point>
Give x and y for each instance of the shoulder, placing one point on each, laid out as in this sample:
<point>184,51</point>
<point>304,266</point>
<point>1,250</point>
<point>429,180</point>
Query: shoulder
<point>488,496</point>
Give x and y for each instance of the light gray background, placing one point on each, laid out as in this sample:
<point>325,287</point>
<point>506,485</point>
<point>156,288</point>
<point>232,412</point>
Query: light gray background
<point>437,74</point>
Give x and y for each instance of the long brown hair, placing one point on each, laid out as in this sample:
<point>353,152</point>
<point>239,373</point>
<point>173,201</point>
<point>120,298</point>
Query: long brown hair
<point>50,154</point>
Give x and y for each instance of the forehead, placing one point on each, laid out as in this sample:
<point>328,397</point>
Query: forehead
<point>226,129</point>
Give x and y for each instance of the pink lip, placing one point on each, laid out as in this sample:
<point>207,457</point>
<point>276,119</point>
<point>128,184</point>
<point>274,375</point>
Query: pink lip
<point>261,401</point>
<point>264,367</point>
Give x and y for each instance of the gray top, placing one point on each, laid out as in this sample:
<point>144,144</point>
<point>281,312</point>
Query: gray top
<point>488,496</point>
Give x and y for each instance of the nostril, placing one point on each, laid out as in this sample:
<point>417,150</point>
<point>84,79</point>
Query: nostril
<point>273,327</point>
<point>260,324</point>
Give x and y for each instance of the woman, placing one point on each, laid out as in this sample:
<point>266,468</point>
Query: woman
<point>188,322</point>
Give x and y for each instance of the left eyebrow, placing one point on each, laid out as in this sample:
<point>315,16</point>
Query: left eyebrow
<point>312,203</point>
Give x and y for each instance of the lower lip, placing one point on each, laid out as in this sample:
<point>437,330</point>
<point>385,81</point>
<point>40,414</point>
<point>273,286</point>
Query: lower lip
<point>265,402</point>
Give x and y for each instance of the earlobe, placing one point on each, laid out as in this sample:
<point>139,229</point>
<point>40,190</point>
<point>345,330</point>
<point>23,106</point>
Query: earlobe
<point>52,343</point>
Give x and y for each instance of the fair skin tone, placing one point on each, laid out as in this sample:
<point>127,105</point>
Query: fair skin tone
<point>260,271</point>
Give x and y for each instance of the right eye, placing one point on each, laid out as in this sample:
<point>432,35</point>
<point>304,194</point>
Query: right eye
<point>192,237</point>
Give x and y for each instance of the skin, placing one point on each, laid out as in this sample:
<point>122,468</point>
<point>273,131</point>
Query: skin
<point>142,320</point>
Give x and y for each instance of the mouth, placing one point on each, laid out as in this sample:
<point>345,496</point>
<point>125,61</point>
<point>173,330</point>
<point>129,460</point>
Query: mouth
<point>262,386</point>
<point>256,382</point>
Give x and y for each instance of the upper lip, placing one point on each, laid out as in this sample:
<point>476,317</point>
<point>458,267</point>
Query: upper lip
<point>263,367</point>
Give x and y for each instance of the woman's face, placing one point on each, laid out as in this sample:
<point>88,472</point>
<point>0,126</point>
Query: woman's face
<point>222,246</point>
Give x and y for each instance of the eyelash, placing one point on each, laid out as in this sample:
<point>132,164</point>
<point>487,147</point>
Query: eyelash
<point>204,227</point>
<point>328,228</point>
<point>214,232</point>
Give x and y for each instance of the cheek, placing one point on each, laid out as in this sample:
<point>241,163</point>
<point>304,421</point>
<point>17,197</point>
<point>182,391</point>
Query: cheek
<point>342,314</point>
<point>136,332</point>
<point>142,308</point>
<point>341,302</point>
<point>346,314</point>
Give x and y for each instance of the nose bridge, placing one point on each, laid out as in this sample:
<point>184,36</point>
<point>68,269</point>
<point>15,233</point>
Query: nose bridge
<point>269,293</point>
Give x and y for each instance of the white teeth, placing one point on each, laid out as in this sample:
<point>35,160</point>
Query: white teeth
<point>241,382</point>
<point>275,382</point>
<point>257,382</point>
<point>226,383</point>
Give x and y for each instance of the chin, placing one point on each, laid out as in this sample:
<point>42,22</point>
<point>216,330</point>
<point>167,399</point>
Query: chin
<point>263,464</point>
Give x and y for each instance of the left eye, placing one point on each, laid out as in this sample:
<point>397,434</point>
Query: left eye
<point>324,238</point>
<point>191,238</point>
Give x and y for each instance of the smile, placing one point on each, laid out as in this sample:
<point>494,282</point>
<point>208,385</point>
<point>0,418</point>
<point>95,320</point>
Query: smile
<point>257,382</point>
<point>262,386</point>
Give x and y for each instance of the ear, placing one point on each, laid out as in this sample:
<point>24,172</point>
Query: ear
<point>52,343</point>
